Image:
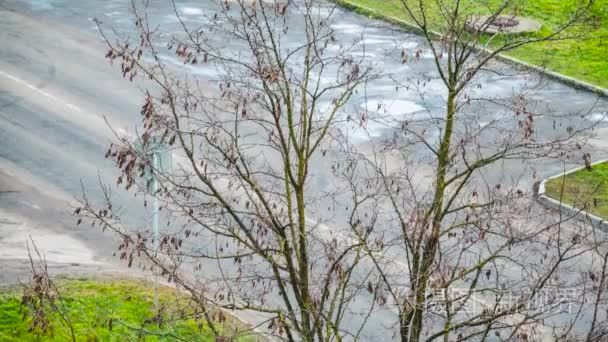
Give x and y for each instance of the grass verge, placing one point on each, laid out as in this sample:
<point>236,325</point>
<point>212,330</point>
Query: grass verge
<point>583,59</point>
<point>584,189</point>
<point>114,311</point>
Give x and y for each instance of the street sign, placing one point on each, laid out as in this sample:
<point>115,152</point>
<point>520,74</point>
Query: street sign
<point>160,159</point>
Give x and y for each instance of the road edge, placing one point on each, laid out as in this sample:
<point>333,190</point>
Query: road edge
<point>595,221</point>
<point>567,80</point>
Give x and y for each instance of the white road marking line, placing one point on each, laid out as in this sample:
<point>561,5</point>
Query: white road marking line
<point>56,99</point>
<point>40,91</point>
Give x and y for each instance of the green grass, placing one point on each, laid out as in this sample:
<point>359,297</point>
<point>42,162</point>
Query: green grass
<point>584,59</point>
<point>92,305</point>
<point>583,189</point>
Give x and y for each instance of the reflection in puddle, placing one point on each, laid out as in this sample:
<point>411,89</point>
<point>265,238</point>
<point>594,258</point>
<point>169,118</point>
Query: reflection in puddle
<point>191,11</point>
<point>596,117</point>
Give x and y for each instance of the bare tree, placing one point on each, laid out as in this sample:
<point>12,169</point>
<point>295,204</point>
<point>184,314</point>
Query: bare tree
<point>246,226</point>
<point>474,253</point>
<point>274,212</point>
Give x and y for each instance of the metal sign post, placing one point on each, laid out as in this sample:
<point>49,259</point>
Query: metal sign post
<point>160,156</point>
<point>155,210</point>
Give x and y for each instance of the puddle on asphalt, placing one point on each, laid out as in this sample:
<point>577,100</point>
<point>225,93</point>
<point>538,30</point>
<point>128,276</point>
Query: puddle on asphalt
<point>55,248</point>
<point>597,117</point>
<point>348,28</point>
<point>191,11</point>
<point>41,5</point>
<point>393,108</point>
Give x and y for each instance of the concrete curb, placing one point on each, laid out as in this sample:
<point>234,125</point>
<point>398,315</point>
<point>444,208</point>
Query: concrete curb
<point>573,82</point>
<point>595,221</point>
